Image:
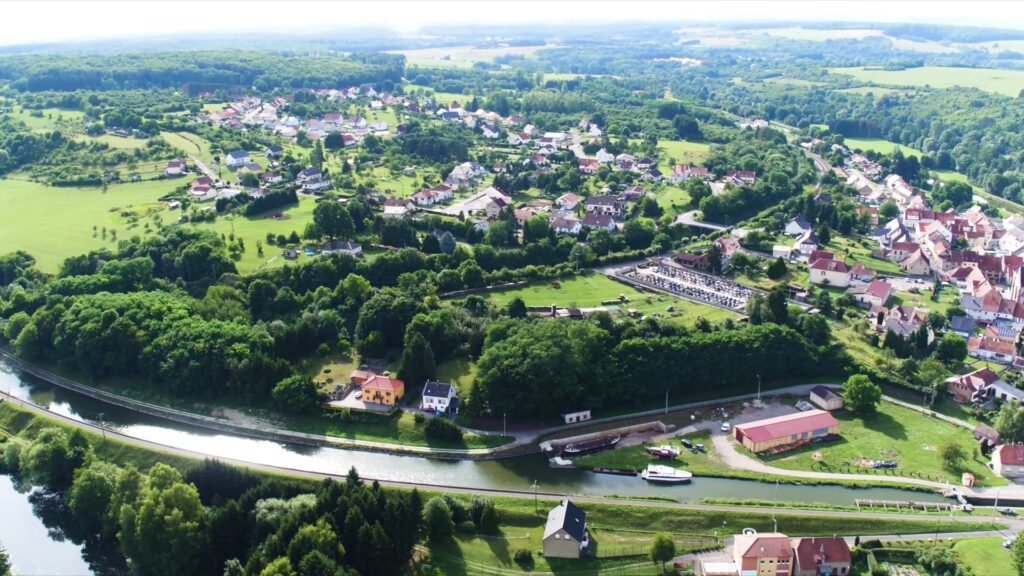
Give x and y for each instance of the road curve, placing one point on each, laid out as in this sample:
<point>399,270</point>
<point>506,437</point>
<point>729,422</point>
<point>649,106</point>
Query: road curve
<point>1012,524</point>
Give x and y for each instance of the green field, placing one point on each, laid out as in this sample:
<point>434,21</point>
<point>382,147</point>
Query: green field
<point>115,142</point>
<point>798,82</point>
<point>878,91</point>
<point>590,289</point>
<point>49,119</point>
<point>1006,82</point>
<point>879,145</point>
<point>986,555</point>
<point>189,143</point>
<point>673,199</point>
<point>684,153</point>
<point>910,438</point>
<point>851,250</point>
<point>53,223</point>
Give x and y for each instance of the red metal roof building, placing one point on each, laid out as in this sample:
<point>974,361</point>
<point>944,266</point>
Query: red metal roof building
<point>792,429</point>
<point>1008,460</point>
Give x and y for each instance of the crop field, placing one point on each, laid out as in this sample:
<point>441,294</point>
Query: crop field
<point>589,290</point>
<point>1006,82</point>
<point>880,145</point>
<point>53,223</point>
<point>910,438</point>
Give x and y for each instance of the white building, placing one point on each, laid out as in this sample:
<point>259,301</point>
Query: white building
<point>439,397</point>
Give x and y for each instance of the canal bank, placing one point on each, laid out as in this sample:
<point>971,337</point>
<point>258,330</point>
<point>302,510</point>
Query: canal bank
<point>516,474</point>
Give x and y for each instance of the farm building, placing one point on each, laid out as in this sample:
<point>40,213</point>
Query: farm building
<point>1008,460</point>
<point>573,417</point>
<point>565,534</point>
<point>826,398</point>
<point>781,431</point>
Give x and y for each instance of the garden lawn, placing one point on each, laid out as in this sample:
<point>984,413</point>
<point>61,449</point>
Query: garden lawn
<point>673,199</point>
<point>851,250</point>
<point>1006,82</point>
<point>589,290</point>
<point>53,223</point>
<point>879,145</point>
<point>986,555</point>
<point>949,297</point>
<point>910,438</point>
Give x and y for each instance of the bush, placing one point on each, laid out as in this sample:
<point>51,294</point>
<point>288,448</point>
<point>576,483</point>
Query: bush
<point>418,418</point>
<point>441,428</point>
<point>466,527</point>
<point>524,558</point>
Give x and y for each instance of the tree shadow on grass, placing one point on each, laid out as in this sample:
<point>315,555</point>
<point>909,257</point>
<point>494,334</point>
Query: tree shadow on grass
<point>499,547</point>
<point>449,555</point>
<point>885,424</point>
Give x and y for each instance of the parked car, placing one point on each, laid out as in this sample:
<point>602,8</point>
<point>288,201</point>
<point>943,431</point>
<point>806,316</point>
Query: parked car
<point>687,444</point>
<point>1008,512</point>
<point>726,427</point>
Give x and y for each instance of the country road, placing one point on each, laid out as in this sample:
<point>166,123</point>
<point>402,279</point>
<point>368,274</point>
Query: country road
<point>1013,525</point>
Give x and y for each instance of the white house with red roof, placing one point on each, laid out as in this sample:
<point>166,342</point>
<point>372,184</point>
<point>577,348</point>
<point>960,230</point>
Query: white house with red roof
<point>975,386</point>
<point>568,201</point>
<point>769,554</point>
<point>825,269</point>
<point>1008,460</point>
<point>877,293</point>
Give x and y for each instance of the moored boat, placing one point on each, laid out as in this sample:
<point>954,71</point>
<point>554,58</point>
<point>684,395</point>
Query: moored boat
<point>665,474</point>
<point>663,451</point>
<point>588,446</point>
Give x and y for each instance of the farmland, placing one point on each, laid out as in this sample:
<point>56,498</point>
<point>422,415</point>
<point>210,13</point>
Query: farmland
<point>1006,82</point>
<point>190,144</point>
<point>589,290</point>
<point>463,56</point>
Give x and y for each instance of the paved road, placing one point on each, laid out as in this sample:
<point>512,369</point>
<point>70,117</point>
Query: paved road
<point>690,219</point>
<point>1013,524</point>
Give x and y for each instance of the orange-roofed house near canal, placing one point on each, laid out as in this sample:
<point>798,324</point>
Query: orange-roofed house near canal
<point>792,430</point>
<point>378,389</point>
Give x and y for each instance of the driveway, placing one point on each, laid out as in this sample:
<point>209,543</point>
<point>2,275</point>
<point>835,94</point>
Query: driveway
<point>351,402</point>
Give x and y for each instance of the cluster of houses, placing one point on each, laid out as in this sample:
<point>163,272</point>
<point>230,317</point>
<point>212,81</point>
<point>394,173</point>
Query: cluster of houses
<point>566,536</point>
<point>384,391</point>
<point>254,113</point>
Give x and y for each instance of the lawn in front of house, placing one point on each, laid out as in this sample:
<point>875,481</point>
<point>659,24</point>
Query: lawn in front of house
<point>859,250</point>
<point>590,289</point>
<point>949,297</point>
<point>986,555</point>
<point>673,199</point>
<point>190,144</point>
<point>909,437</point>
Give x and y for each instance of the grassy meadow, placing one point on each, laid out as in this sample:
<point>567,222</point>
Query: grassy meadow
<point>909,437</point>
<point>590,289</point>
<point>986,555</point>
<point>684,153</point>
<point>1005,82</point>
<point>879,145</point>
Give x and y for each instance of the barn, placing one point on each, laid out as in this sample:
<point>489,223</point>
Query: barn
<point>763,435</point>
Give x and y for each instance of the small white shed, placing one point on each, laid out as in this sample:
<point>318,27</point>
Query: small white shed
<point>573,417</point>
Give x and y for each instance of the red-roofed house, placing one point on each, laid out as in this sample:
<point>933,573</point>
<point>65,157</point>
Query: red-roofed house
<point>769,554</point>
<point>829,271</point>
<point>382,390</point>
<point>763,435</point>
<point>568,201</point>
<point>820,556</point>
<point>1008,460</point>
<point>971,387</point>
<point>727,245</point>
<point>877,293</point>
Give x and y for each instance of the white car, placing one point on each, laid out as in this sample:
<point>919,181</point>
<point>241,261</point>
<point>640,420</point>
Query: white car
<point>726,427</point>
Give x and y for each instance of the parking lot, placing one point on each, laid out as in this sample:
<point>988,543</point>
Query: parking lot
<point>694,285</point>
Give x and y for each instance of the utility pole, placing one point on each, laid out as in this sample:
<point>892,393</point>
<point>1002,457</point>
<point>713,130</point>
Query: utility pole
<point>535,486</point>
<point>775,503</point>
<point>103,429</point>
<point>758,388</point>
<point>994,507</point>
<point>666,401</point>
<point>503,426</point>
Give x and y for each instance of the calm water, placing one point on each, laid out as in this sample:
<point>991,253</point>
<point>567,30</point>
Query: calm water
<point>508,474</point>
<point>33,548</point>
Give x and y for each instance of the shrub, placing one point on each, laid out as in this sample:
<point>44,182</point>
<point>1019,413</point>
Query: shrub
<point>418,418</point>
<point>466,527</point>
<point>524,558</point>
<point>442,429</point>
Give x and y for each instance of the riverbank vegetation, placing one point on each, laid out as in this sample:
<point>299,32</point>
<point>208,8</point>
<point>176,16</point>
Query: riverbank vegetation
<point>217,518</point>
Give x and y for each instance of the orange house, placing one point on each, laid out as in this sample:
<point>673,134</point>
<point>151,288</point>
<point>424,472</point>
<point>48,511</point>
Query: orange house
<point>382,390</point>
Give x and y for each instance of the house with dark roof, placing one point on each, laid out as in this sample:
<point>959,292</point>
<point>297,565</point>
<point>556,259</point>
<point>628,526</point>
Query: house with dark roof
<point>821,557</point>
<point>439,397</point>
<point>237,158</point>
<point>962,326</point>
<point>604,205</point>
<point>565,533</point>
<point>342,247</point>
<point>274,151</point>
<point>826,398</point>
<point>594,221</point>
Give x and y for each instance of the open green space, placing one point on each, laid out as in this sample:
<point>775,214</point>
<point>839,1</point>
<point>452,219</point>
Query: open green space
<point>910,438</point>
<point>189,143</point>
<point>878,91</point>
<point>46,119</point>
<point>1006,82</point>
<point>986,556</point>
<point>683,151</point>
<point>397,428</point>
<point>53,223</point>
<point>949,297</point>
<point>798,82</point>
<point>980,194</point>
<point>115,142</point>
<point>879,145</point>
<point>589,290</point>
<point>673,199</point>
<point>859,250</point>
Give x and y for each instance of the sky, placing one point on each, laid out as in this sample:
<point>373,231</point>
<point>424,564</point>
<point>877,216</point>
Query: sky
<point>45,21</point>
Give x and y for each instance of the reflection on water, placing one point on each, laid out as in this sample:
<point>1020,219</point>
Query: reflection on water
<point>507,474</point>
<point>35,548</point>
